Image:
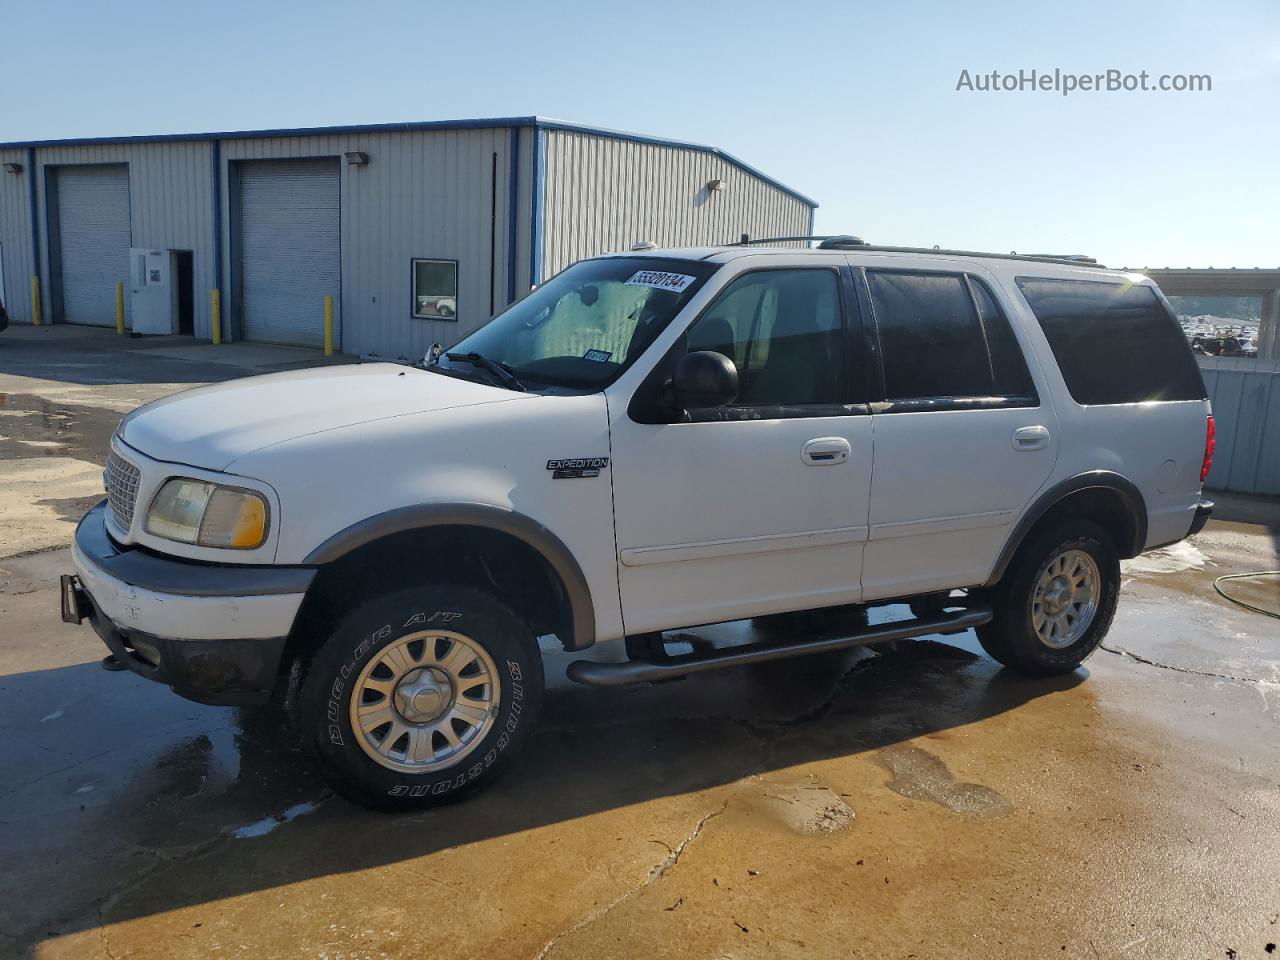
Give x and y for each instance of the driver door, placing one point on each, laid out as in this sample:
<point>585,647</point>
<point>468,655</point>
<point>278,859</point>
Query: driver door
<point>759,506</point>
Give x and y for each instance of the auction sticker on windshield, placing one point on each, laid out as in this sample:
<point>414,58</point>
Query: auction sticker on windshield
<point>675,282</point>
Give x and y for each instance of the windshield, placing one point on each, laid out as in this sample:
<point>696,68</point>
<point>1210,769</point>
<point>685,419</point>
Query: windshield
<point>584,326</point>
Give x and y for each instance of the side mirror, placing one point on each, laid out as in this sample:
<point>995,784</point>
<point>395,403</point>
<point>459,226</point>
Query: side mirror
<point>703,378</point>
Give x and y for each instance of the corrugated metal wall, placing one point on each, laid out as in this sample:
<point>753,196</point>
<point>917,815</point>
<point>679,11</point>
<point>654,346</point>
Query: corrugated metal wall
<point>1246,410</point>
<point>15,237</point>
<point>604,194</point>
<point>170,199</point>
<point>423,194</point>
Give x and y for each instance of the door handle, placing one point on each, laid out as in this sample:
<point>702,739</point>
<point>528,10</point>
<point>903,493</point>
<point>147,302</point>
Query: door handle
<point>824,451</point>
<point>1031,438</point>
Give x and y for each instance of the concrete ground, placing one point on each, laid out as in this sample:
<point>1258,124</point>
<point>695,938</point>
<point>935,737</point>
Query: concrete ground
<point>919,802</point>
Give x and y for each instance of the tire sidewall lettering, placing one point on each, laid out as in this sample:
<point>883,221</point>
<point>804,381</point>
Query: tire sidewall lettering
<point>455,779</point>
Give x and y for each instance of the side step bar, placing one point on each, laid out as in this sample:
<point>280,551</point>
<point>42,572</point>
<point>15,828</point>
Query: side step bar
<point>641,671</point>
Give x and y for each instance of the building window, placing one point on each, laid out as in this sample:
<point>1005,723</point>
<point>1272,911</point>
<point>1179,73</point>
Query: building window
<point>435,289</point>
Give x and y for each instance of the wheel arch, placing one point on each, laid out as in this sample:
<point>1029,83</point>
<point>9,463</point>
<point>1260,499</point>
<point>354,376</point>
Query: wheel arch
<point>1105,496</point>
<point>480,526</point>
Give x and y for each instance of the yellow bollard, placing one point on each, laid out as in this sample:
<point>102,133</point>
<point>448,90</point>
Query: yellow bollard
<point>35,301</point>
<point>120,309</point>
<point>215,315</point>
<point>328,325</point>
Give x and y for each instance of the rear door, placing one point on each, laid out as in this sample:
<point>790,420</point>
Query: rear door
<point>963,436</point>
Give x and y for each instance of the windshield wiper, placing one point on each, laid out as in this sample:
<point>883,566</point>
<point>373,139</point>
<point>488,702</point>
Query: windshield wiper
<point>495,367</point>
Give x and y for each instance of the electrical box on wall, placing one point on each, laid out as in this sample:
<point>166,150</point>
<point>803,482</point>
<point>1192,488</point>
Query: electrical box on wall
<point>153,278</point>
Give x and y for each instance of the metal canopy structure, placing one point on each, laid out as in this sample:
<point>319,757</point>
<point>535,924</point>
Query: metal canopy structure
<point>1249,282</point>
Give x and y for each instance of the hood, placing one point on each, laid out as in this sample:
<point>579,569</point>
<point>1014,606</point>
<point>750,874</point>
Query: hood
<point>212,426</point>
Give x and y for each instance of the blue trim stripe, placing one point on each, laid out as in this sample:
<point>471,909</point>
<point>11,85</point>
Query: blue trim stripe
<point>535,221</point>
<point>35,217</point>
<point>513,204</point>
<point>215,171</point>
<point>542,123</point>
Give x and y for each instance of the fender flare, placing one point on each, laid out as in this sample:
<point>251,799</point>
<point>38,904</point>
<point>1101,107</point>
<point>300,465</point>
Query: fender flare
<point>1089,480</point>
<point>488,516</point>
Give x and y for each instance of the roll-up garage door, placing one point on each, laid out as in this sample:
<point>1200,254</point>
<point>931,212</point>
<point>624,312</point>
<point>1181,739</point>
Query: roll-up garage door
<point>93,240</point>
<point>289,249</point>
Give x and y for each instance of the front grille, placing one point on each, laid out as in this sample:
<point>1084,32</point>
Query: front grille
<point>121,479</point>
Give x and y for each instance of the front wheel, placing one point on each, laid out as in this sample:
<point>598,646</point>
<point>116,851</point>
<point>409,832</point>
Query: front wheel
<point>1056,601</point>
<point>421,696</point>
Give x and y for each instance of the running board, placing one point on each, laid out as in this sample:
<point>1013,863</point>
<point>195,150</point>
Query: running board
<point>644,671</point>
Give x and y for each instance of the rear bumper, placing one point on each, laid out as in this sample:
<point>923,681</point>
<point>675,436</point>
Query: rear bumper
<point>1204,510</point>
<point>214,634</point>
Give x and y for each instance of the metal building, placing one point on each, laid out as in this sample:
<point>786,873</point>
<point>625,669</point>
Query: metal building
<point>419,232</point>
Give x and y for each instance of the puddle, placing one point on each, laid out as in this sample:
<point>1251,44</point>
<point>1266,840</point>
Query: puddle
<point>260,828</point>
<point>31,426</point>
<point>920,775</point>
<point>1180,556</point>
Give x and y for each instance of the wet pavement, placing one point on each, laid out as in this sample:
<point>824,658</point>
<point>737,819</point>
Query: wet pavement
<point>917,801</point>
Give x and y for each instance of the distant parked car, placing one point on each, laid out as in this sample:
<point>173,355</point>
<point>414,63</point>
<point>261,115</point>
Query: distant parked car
<point>4,317</point>
<point>1225,346</point>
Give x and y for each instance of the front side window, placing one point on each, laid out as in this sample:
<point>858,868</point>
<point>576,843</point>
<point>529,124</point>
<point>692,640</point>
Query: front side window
<point>784,332</point>
<point>585,325</point>
<point>931,340</point>
<point>435,289</point>
<point>1114,342</point>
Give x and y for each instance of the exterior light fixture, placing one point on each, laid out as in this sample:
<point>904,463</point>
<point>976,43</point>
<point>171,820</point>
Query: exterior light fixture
<point>13,168</point>
<point>715,185</point>
<point>356,158</point>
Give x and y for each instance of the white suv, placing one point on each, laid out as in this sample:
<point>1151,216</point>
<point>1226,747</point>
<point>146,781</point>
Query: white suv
<point>649,442</point>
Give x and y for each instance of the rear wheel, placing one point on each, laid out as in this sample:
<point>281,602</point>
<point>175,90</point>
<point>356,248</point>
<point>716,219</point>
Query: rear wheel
<point>421,696</point>
<point>1056,601</point>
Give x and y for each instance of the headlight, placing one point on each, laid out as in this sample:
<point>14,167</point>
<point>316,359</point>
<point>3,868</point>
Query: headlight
<point>208,515</point>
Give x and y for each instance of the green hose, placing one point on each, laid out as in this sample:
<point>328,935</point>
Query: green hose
<point>1242,576</point>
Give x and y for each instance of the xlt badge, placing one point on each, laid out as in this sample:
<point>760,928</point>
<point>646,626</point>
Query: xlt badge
<point>578,467</point>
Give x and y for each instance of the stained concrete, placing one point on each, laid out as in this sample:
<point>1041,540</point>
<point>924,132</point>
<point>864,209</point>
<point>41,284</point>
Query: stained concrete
<point>913,802</point>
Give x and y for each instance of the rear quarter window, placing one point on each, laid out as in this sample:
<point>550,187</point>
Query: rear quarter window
<point>1114,342</point>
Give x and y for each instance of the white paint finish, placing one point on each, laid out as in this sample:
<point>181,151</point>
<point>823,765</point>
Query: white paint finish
<point>693,492</point>
<point>213,425</point>
<point>714,521</point>
<point>488,453</point>
<point>185,617</point>
<point>741,546</point>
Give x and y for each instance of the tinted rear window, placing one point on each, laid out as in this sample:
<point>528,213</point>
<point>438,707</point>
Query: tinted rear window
<point>1115,343</point>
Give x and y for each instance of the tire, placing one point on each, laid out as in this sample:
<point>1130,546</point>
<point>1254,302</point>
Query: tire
<point>484,684</point>
<point>1061,644</point>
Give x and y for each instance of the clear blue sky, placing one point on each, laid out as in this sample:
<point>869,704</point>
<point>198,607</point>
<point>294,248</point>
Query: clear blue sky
<point>851,103</point>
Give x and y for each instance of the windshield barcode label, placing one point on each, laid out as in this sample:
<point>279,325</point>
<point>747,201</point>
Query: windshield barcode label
<point>675,282</point>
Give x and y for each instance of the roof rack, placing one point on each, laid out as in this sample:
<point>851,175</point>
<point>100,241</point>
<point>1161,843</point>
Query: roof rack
<point>846,242</point>
<point>826,242</point>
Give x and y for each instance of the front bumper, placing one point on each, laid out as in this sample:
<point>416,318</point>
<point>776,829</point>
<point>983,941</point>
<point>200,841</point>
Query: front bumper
<point>214,633</point>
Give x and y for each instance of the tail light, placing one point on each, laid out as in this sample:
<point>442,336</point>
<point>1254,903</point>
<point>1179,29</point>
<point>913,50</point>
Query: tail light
<point>1210,441</point>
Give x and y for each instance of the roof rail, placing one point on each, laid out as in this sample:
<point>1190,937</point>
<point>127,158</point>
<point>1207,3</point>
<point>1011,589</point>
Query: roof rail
<point>839,241</point>
<point>842,241</point>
